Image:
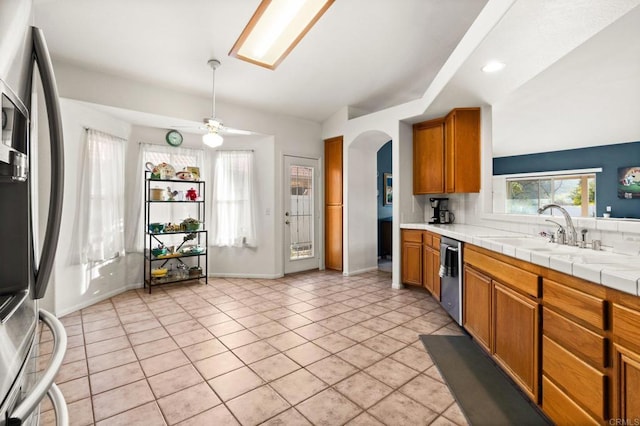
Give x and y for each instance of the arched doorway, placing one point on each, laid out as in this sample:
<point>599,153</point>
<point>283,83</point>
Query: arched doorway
<point>362,201</point>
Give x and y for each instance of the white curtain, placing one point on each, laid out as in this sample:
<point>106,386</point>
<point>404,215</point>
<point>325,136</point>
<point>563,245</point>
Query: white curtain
<point>233,221</point>
<point>101,198</point>
<point>179,158</point>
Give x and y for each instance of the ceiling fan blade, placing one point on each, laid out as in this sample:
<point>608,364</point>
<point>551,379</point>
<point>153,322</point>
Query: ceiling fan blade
<point>232,131</point>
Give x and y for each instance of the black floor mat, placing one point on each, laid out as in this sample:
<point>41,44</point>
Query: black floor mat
<point>485,394</point>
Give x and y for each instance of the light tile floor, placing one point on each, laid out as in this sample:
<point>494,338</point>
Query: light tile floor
<point>312,348</point>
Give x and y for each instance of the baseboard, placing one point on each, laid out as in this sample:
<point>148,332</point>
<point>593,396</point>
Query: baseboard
<point>97,299</point>
<point>235,275</point>
<point>360,271</point>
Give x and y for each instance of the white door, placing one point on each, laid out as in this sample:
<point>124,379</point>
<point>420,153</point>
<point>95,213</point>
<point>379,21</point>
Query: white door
<point>300,214</point>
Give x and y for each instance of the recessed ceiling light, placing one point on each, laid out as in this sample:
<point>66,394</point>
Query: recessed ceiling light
<point>493,66</point>
<point>275,29</point>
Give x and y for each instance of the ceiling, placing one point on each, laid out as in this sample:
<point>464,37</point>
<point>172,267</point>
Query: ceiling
<point>365,54</point>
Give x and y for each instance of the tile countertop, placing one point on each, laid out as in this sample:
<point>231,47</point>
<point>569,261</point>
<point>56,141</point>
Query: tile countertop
<point>618,271</point>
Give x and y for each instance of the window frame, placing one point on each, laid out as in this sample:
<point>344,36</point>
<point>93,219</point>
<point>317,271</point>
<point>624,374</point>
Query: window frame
<point>504,181</point>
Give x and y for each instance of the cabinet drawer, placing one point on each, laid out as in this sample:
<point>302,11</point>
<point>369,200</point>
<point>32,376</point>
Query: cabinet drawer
<point>583,383</point>
<point>517,278</point>
<point>577,339</point>
<point>581,305</point>
<point>562,409</point>
<point>626,325</point>
<point>412,236</point>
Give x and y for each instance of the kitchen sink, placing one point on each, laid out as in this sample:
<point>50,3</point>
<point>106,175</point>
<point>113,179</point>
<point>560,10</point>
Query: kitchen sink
<point>522,242</point>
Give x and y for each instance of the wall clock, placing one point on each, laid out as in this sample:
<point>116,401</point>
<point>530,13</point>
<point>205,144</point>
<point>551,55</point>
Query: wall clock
<point>174,138</point>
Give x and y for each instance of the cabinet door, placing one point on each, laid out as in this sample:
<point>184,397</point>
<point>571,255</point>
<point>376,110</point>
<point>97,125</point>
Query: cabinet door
<point>412,263</point>
<point>477,306</point>
<point>427,255</point>
<point>431,270</point>
<point>435,272</point>
<point>428,157</point>
<point>333,203</point>
<point>626,383</point>
<point>333,238</point>
<point>450,153</point>
<point>515,337</point>
<point>462,152</point>
<point>333,171</point>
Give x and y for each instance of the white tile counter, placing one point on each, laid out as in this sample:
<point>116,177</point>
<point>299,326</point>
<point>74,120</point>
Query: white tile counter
<point>615,270</point>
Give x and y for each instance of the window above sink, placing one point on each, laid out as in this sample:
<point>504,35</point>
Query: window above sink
<point>525,193</point>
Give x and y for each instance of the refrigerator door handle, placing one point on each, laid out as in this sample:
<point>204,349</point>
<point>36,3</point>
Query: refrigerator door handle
<point>31,401</point>
<point>45,67</point>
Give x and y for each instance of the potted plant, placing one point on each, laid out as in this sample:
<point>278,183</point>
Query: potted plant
<point>190,224</point>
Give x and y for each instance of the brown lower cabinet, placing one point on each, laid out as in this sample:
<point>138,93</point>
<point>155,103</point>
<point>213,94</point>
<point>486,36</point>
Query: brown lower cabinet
<point>571,345</point>
<point>421,260</point>
<point>626,362</point>
<point>477,306</point>
<point>505,322</point>
<point>515,336</point>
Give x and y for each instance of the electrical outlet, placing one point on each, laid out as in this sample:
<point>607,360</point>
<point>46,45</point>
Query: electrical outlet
<point>608,209</point>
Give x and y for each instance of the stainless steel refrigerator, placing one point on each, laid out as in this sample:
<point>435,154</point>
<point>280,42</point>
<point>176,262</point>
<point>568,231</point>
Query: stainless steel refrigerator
<point>26,264</point>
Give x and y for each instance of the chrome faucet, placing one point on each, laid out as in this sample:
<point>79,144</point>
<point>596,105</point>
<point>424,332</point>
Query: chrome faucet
<point>572,237</point>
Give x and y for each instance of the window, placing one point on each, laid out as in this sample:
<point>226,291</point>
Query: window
<point>301,213</point>
<point>575,192</point>
<point>179,158</point>
<point>101,200</point>
<point>233,223</point>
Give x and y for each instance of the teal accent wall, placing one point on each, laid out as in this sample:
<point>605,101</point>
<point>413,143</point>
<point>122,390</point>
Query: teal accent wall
<point>608,157</point>
<point>384,166</point>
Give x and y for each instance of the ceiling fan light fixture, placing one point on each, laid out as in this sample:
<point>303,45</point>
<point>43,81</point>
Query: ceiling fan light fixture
<point>212,139</point>
<point>275,28</point>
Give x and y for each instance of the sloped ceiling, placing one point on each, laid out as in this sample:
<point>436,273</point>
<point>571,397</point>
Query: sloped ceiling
<point>367,54</point>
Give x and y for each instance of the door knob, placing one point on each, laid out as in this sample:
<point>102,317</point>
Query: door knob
<point>286,213</point>
<point>286,222</point>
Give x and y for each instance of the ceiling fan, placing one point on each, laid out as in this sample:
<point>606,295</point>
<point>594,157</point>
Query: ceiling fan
<point>213,126</point>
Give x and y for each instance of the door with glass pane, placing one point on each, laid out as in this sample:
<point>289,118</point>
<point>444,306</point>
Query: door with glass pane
<point>300,214</point>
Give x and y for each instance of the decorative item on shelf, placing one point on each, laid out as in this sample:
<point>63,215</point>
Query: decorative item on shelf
<point>195,172</point>
<point>195,271</point>
<point>184,175</point>
<point>171,195</point>
<point>161,171</point>
<point>190,224</point>
<point>182,271</point>
<point>192,250</point>
<point>159,251</point>
<point>172,227</point>
<point>157,194</point>
<point>192,194</point>
<point>159,272</point>
<point>156,228</point>
<point>188,237</point>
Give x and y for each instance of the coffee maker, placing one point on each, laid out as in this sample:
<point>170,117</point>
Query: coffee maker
<point>441,214</point>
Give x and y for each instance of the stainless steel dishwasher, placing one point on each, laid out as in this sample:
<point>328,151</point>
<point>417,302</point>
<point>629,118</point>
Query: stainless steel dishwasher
<point>451,277</point>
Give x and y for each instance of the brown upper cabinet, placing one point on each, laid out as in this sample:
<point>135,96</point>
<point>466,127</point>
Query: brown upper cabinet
<point>446,153</point>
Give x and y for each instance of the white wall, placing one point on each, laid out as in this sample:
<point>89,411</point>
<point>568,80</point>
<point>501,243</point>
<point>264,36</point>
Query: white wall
<point>588,98</point>
<point>74,286</point>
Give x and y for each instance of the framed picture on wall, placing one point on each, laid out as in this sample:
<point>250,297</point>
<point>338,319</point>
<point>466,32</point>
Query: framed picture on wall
<point>388,189</point>
<point>629,182</point>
